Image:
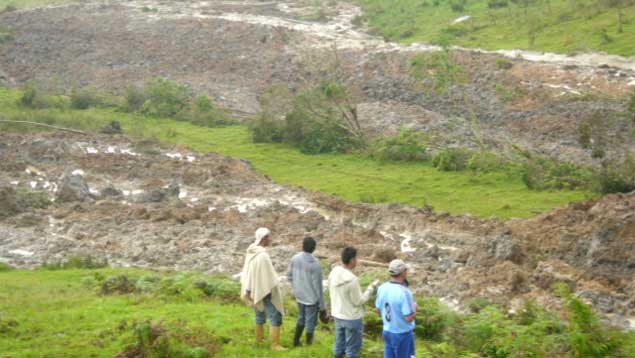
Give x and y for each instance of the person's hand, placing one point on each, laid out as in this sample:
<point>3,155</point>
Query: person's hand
<point>415,307</point>
<point>375,283</point>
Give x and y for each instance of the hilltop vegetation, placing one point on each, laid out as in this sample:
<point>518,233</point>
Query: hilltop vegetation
<point>352,176</point>
<point>562,26</point>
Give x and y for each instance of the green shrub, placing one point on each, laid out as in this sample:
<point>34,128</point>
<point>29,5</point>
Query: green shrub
<point>458,5</point>
<point>5,267</point>
<point>266,130</point>
<point>407,145</point>
<point>584,135</point>
<point>618,176</point>
<point>6,34</point>
<point>165,98</point>
<point>84,98</point>
<point>29,94</point>
<point>435,321</point>
<point>134,98</point>
<point>497,4</point>
<point>452,159</point>
<point>541,173</point>
<point>485,162</point>
<point>446,72</point>
<point>156,340</point>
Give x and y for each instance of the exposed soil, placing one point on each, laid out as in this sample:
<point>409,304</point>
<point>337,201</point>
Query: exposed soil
<point>234,50</point>
<point>145,205</point>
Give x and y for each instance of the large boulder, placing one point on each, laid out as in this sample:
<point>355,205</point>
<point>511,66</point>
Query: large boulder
<point>73,187</point>
<point>504,248</point>
<point>159,194</point>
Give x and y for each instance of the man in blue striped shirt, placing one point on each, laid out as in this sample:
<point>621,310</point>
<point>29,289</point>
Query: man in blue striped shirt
<point>397,308</point>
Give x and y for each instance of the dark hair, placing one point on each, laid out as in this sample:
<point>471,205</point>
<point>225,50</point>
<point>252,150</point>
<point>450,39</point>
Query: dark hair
<point>308,244</point>
<point>348,254</point>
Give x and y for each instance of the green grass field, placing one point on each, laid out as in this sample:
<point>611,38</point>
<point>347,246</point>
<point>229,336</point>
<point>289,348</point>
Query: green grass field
<point>353,177</point>
<point>562,26</point>
<point>67,313</point>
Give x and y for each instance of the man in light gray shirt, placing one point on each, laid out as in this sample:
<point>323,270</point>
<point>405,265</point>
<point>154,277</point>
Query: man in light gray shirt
<point>305,274</point>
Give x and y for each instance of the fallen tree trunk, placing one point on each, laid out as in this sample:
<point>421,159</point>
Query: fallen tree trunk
<point>44,125</point>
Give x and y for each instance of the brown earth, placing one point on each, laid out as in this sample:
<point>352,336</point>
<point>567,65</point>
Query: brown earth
<point>145,205</point>
<point>234,50</point>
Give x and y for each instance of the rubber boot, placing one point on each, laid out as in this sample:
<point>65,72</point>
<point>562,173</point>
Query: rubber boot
<point>275,339</point>
<point>298,335</point>
<point>260,333</point>
<point>309,339</point>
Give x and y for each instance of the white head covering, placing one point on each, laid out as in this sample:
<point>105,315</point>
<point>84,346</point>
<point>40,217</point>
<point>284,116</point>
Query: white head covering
<point>261,233</point>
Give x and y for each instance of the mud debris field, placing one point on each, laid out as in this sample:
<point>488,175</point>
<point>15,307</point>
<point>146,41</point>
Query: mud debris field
<point>141,204</point>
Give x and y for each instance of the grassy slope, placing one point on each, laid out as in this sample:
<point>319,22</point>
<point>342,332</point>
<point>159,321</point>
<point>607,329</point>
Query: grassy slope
<point>353,177</point>
<point>58,316</point>
<point>409,21</point>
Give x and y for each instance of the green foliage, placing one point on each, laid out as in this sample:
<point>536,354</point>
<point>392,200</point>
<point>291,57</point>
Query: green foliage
<point>6,34</point>
<point>29,94</point>
<point>407,145</point>
<point>618,175</point>
<point>561,26</point>
<point>154,340</point>
<point>4,267</point>
<point>445,72</point>
<point>542,173</point>
<point>486,162</point>
<point>84,98</point>
<point>452,159</point>
<point>584,135</point>
<point>435,321</point>
<point>134,98</point>
<point>318,120</point>
<point>165,98</point>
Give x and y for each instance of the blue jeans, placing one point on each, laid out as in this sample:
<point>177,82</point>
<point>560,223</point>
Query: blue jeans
<point>275,317</point>
<point>307,316</point>
<point>399,345</point>
<point>348,338</point>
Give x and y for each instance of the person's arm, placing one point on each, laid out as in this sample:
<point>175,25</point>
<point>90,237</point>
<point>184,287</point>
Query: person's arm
<point>320,287</point>
<point>357,297</point>
<point>290,273</point>
<point>408,308</point>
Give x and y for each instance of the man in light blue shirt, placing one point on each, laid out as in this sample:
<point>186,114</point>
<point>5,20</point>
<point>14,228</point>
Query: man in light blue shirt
<point>397,308</point>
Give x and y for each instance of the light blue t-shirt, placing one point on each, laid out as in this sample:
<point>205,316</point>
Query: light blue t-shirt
<point>395,302</point>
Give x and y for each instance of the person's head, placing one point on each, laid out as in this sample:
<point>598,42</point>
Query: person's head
<point>308,244</point>
<point>263,237</point>
<point>398,270</point>
<point>349,257</point>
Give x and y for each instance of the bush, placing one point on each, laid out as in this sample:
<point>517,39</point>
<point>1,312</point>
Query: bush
<point>165,98</point>
<point>154,340</point>
<point>318,120</point>
<point>541,173</point>
<point>458,5</point>
<point>497,4</point>
<point>5,267</point>
<point>584,135</point>
<point>6,34</point>
<point>84,98</point>
<point>407,145</point>
<point>485,162</point>
<point>618,176</point>
<point>435,321</point>
<point>266,130</point>
<point>452,159</point>
<point>29,95</point>
<point>134,98</point>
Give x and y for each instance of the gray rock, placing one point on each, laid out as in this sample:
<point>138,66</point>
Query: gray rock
<point>506,249</point>
<point>110,190</point>
<point>73,187</point>
<point>159,194</point>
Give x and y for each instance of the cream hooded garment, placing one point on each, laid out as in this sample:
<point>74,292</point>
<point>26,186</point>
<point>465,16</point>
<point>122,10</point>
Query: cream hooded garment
<point>260,279</point>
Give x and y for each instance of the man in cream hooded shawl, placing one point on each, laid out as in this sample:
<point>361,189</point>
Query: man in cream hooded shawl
<point>260,288</point>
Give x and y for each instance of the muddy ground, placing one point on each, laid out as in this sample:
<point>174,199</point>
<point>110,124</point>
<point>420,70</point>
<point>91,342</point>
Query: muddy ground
<point>145,205</point>
<point>234,50</point>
